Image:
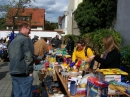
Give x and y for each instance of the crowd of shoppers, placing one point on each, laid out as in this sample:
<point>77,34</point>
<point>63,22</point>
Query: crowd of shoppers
<point>23,52</point>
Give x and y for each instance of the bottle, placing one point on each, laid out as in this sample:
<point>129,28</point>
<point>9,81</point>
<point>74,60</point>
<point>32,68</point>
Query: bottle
<point>83,73</point>
<point>60,70</point>
<point>73,88</point>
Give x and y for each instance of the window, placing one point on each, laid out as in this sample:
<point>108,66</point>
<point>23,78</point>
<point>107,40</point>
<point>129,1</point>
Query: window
<point>34,27</point>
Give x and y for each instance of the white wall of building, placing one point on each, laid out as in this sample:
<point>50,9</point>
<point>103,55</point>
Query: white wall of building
<point>59,26</point>
<point>4,34</point>
<point>73,4</point>
<point>69,16</point>
<point>44,34</point>
<point>64,24</point>
<point>38,28</point>
<point>76,3</point>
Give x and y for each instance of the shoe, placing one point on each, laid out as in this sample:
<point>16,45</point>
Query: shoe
<point>54,84</point>
<point>50,90</point>
<point>48,80</point>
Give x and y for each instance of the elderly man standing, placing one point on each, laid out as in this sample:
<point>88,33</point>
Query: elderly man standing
<point>21,53</point>
<point>56,42</point>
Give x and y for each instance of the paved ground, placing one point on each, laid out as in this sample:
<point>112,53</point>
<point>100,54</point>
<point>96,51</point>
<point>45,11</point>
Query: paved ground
<point>5,80</point>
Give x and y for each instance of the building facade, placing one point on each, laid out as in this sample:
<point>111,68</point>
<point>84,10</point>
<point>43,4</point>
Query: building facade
<point>123,22</point>
<point>62,23</point>
<point>72,27</point>
<point>35,17</point>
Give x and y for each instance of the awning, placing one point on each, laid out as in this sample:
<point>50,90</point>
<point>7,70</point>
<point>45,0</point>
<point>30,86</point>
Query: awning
<point>60,31</point>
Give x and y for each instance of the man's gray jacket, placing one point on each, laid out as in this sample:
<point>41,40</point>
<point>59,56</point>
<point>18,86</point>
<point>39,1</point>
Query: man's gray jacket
<point>21,51</point>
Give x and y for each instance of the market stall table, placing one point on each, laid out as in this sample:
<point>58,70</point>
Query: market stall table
<point>119,94</point>
<point>64,83</point>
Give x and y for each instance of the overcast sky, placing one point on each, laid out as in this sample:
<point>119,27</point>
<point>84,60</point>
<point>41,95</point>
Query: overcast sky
<point>53,8</point>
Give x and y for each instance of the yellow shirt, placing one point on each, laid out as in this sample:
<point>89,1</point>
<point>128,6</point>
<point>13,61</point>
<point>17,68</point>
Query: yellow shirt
<point>80,55</point>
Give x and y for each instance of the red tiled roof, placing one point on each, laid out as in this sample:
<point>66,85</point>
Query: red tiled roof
<point>37,16</point>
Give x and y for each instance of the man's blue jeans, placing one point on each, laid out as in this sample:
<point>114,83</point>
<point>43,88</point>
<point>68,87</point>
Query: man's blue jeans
<point>22,86</point>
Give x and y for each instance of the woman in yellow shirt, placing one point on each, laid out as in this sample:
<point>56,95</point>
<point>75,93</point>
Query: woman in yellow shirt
<point>79,52</point>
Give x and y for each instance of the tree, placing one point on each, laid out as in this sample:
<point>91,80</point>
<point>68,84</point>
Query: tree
<point>19,5</point>
<point>54,25</point>
<point>50,26</point>
<point>95,14</point>
<point>2,24</point>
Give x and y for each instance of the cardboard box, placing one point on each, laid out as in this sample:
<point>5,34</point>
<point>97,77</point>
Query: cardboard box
<point>109,75</point>
<point>109,78</point>
<point>54,77</point>
<point>41,75</point>
<point>95,88</point>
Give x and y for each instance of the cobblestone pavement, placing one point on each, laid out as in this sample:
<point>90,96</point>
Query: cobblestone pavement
<point>6,82</point>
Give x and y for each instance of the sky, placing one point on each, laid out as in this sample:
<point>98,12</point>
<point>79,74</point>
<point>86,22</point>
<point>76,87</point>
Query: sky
<point>53,8</point>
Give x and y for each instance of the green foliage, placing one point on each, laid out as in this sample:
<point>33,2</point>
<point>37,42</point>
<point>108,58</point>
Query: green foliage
<point>54,25</point>
<point>2,24</point>
<point>74,37</point>
<point>125,60</point>
<point>94,39</point>
<point>95,14</point>
<point>50,26</point>
<point>97,37</point>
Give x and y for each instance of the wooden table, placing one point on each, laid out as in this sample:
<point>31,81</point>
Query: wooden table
<point>64,83</point>
<point>114,94</point>
<point>120,93</point>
